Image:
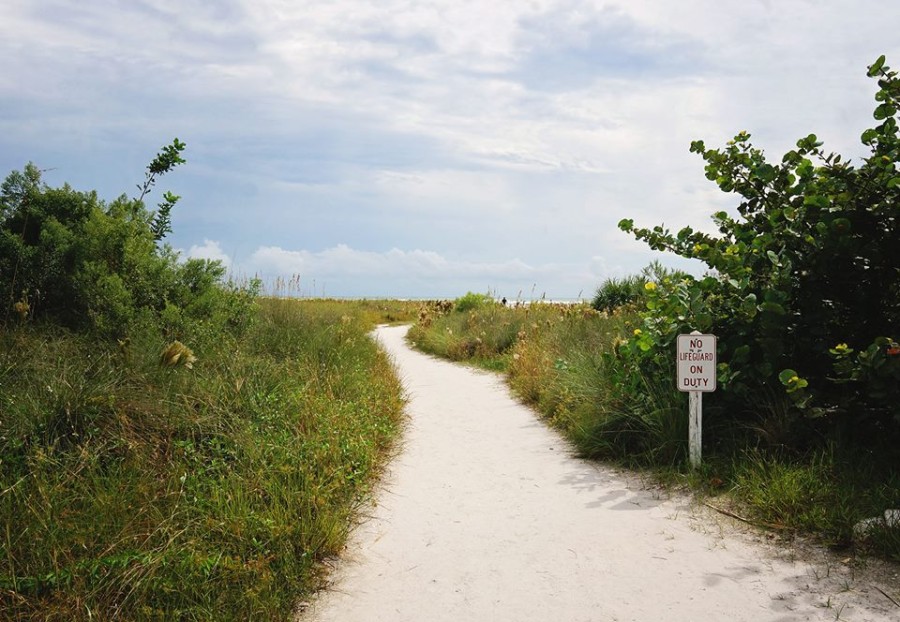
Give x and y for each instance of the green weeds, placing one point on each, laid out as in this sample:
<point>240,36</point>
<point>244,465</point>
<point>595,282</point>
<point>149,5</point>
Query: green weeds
<point>135,491</point>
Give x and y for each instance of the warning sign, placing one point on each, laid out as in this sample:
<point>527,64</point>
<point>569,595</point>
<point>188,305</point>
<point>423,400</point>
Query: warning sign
<point>696,362</point>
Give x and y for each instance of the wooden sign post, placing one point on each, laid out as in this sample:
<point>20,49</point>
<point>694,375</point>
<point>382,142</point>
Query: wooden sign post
<point>696,363</point>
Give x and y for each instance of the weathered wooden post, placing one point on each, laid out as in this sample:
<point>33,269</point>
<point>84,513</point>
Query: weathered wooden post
<point>696,364</point>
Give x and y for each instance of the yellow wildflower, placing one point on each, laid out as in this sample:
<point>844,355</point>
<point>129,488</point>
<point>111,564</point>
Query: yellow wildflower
<point>22,308</point>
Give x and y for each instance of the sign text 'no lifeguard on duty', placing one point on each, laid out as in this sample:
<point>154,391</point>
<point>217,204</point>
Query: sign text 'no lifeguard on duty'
<point>696,362</point>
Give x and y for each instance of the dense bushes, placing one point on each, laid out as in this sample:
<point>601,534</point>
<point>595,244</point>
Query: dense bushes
<point>804,288</point>
<point>68,257</point>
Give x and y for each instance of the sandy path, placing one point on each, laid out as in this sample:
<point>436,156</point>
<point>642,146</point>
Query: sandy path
<point>485,516</point>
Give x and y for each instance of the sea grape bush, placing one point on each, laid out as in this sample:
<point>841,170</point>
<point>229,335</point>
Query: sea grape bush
<point>804,282</point>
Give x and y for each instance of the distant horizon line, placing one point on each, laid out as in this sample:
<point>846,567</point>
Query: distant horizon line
<point>543,299</point>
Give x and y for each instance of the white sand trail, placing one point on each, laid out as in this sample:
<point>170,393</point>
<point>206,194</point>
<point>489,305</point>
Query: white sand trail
<point>485,516</point>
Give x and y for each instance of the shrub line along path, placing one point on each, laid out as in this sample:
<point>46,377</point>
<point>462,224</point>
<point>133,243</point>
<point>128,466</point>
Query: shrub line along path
<point>485,516</point>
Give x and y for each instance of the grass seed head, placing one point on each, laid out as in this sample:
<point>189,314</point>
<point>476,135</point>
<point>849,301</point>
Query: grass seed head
<point>175,354</point>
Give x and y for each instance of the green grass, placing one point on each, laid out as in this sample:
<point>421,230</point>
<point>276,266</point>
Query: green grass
<point>138,492</point>
<point>826,493</point>
<point>563,361</point>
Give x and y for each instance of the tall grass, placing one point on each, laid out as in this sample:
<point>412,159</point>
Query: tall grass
<point>482,332</point>
<point>135,491</point>
<point>563,360</point>
<point>826,492</point>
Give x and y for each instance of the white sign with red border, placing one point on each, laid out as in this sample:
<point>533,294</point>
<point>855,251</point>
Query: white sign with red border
<point>696,362</point>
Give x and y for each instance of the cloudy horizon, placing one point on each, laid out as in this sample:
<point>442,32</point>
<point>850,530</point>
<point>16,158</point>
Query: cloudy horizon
<point>425,149</point>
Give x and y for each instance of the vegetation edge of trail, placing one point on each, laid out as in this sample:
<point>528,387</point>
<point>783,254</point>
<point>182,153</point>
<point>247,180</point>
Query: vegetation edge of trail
<point>172,446</point>
<point>803,294</point>
<point>132,490</point>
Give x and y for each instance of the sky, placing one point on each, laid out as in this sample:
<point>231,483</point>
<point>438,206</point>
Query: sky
<point>423,149</point>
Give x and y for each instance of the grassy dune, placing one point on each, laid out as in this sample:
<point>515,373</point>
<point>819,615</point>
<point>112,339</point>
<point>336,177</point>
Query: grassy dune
<point>138,491</point>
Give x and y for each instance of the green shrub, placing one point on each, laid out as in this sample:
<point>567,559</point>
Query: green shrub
<point>68,257</point>
<point>471,301</point>
<point>804,276</point>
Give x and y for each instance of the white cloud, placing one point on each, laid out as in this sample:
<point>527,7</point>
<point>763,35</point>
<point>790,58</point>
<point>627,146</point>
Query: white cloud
<point>210,249</point>
<point>343,260</point>
<point>351,271</point>
<point>507,137</point>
